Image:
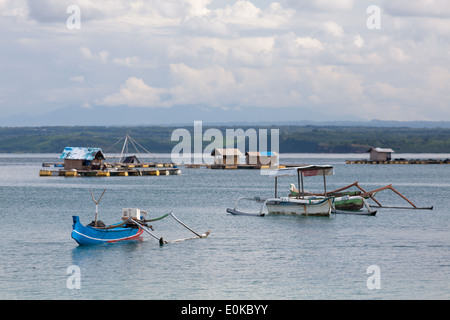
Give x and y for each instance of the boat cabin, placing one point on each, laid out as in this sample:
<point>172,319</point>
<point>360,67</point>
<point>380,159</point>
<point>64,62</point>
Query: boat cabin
<point>81,158</point>
<point>226,156</point>
<point>381,154</point>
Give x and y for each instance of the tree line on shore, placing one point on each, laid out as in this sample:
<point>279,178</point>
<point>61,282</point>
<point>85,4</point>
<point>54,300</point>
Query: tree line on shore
<point>292,138</point>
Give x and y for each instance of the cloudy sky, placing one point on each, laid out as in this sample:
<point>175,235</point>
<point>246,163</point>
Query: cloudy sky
<point>333,57</point>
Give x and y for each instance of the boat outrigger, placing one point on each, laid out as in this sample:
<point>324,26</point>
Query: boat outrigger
<point>135,222</point>
<point>302,203</point>
<point>350,202</point>
<point>371,195</point>
<point>309,206</point>
<point>358,198</point>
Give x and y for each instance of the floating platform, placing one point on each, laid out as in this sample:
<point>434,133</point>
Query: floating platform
<point>400,161</point>
<point>111,169</point>
<point>110,173</point>
<point>243,166</point>
<point>118,165</point>
<point>237,166</point>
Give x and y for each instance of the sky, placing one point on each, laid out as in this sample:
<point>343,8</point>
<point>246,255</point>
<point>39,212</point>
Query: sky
<point>356,59</point>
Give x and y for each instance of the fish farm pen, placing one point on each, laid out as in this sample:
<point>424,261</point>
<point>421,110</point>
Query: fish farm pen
<point>90,162</point>
<point>384,156</point>
<point>112,170</point>
<point>400,161</point>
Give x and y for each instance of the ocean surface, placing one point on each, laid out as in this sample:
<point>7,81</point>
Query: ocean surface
<point>397,254</point>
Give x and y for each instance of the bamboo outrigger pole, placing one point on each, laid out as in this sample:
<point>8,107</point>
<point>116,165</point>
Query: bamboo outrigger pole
<point>161,240</point>
<point>371,195</point>
<point>398,193</point>
<point>200,236</point>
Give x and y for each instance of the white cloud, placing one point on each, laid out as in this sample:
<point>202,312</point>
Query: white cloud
<point>101,56</point>
<point>214,85</point>
<point>333,28</point>
<point>135,93</point>
<point>358,41</point>
<point>228,54</point>
<point>77,79</point>
<point>14,8</point>
<point>398,55</point>
<point>86,105</point>
<point>246,14</point>
<point>309,43</point>
<point>323,5</point>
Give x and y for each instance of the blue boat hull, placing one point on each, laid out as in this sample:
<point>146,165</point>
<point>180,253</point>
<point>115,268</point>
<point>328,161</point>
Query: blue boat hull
<point>87,235</point>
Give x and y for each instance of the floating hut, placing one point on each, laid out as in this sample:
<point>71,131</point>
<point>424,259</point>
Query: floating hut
<point>384,156</point>
<point>82,158</point>
<point>381,154</point>
<point>226,156</point>
<point>90,162</point>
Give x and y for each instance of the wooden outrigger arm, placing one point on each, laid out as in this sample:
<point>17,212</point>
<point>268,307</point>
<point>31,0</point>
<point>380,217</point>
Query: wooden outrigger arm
<point>371,195</point>
<point>398,193</point>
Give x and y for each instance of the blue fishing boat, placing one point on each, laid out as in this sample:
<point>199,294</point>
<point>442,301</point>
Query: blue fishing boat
<point>97,232</point>
<point>90,235</point>
<point>134,223</point>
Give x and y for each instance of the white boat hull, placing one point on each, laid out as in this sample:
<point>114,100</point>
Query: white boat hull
<point>302,207</point>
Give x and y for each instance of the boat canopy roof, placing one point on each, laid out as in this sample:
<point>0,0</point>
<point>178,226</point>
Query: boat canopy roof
<point>306,171</point>
<point>79,153</point>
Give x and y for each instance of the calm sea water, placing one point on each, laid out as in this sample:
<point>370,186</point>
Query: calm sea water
<point>279,258</point>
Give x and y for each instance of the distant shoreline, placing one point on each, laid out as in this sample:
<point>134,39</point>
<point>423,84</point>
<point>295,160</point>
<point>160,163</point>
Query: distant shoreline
<point>292,138</point>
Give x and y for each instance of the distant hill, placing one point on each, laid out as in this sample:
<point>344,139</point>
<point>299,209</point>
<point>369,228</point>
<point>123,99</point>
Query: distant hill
<point>292,138</point>
<point>186,115</point>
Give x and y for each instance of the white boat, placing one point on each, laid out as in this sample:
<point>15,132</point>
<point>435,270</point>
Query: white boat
<point>295,206</point>
<point>301,207</point>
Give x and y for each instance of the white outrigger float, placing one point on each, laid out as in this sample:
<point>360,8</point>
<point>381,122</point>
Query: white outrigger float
<point>308,206</point>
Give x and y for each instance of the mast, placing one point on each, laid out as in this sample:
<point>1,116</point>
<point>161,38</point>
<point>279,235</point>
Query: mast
<point>125,144</point>
<point>96,205</point>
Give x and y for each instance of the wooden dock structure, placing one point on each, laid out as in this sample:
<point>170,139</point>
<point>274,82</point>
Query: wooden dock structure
<point>238,166</point>
<point>113,170</point>
<point>400,161</point>
<point>243,166</point>
<point>91,162</point>
<point>110,173</point>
